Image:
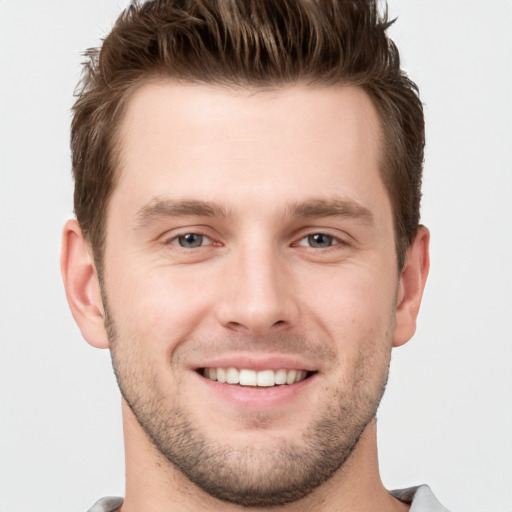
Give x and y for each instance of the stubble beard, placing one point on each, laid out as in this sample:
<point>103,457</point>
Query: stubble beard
<point>252,476</point>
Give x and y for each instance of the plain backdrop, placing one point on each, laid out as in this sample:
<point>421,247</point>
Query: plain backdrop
<point>446,419</point>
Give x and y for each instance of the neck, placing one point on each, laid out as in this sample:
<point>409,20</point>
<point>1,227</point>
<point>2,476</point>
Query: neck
<point>155,485</point>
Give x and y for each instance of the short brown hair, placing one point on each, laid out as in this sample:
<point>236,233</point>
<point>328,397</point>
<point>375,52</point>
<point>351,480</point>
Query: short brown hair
<point>255,44</point>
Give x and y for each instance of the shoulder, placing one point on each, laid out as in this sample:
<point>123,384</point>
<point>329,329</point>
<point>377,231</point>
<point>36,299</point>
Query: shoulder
<point>421,498</point>
<point>108,504</point>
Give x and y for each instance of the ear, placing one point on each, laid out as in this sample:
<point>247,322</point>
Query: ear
<point>82,285</point>
<point>411,286</point>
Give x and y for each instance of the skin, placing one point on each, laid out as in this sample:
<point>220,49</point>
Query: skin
<point>274,167</point>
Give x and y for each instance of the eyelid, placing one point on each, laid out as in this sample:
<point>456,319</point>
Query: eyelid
<point>171,237</point>
<point>180,235</point>
<point>338,239</point>
<point>174,239</point>
<point>335,242</point>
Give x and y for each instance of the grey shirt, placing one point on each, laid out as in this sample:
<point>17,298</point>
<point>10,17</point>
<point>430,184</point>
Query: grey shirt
<point>421,499</point>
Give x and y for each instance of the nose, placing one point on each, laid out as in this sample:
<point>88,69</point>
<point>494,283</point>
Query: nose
<point>258,297</point>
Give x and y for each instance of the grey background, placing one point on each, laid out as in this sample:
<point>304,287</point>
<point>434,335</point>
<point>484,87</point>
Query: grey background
<point>447,416</point>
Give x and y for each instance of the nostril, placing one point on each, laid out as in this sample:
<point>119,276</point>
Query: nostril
<point>235,325</point>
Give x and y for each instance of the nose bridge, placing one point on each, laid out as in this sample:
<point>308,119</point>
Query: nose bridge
<point>259,297</point>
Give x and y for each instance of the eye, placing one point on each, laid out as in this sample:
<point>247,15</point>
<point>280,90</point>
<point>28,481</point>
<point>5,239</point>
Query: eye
<point>318,241</point>
<point>191,240</point>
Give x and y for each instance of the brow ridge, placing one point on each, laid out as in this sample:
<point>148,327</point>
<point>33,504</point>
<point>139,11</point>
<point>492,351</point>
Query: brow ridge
<point>322,207</point>
<point>159,207</point>
<point>332,207</point>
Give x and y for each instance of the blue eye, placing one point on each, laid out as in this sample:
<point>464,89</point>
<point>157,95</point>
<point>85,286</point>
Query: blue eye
<point>320,241</point>
<point>191,240</point>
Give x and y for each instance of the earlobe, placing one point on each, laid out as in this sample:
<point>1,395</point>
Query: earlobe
<point>411,286</point>
<point>82,285</point>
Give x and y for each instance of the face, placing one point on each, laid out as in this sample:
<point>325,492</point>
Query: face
<point>250,280</point>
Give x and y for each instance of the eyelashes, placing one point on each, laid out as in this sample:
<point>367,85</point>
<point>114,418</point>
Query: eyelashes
<point>318,241</point>
<point>195,240</point>
<point>191,240</point>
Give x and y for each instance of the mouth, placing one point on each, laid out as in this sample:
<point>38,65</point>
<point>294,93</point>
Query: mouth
<point>252,378</point>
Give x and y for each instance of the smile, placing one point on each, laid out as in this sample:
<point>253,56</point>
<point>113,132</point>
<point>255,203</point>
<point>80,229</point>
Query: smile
<point>263,378</point>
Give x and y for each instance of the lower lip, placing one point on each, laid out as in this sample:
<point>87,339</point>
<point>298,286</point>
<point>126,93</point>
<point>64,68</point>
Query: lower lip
<point>257,397</point>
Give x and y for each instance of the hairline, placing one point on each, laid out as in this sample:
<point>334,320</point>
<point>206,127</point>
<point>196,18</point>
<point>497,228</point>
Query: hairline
<point>115,141</point>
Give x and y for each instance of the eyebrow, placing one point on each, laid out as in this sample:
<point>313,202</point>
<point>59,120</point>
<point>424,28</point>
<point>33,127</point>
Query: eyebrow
<point>158,208</point>
<point>332,207</point>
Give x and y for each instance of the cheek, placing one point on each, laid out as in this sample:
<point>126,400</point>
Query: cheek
<point>355,314</point>
<point>352,301</point>
<point>155,307</point>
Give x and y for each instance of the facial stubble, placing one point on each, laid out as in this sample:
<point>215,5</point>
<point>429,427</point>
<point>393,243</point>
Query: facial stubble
<point>252,476</point>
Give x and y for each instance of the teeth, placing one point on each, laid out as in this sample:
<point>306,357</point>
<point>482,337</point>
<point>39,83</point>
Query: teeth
<point>281,377</point>
<point>291,376</point>
<point>232,376</point>
<point>221,375</point>
<point>247,378</point>
<point>264,378</point>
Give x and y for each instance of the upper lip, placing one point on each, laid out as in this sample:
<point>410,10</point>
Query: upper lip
<point>257,362</point>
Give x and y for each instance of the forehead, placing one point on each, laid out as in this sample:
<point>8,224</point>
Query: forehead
<point>282,144</point>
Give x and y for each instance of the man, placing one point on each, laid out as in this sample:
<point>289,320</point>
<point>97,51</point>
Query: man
<point>247,245</point>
